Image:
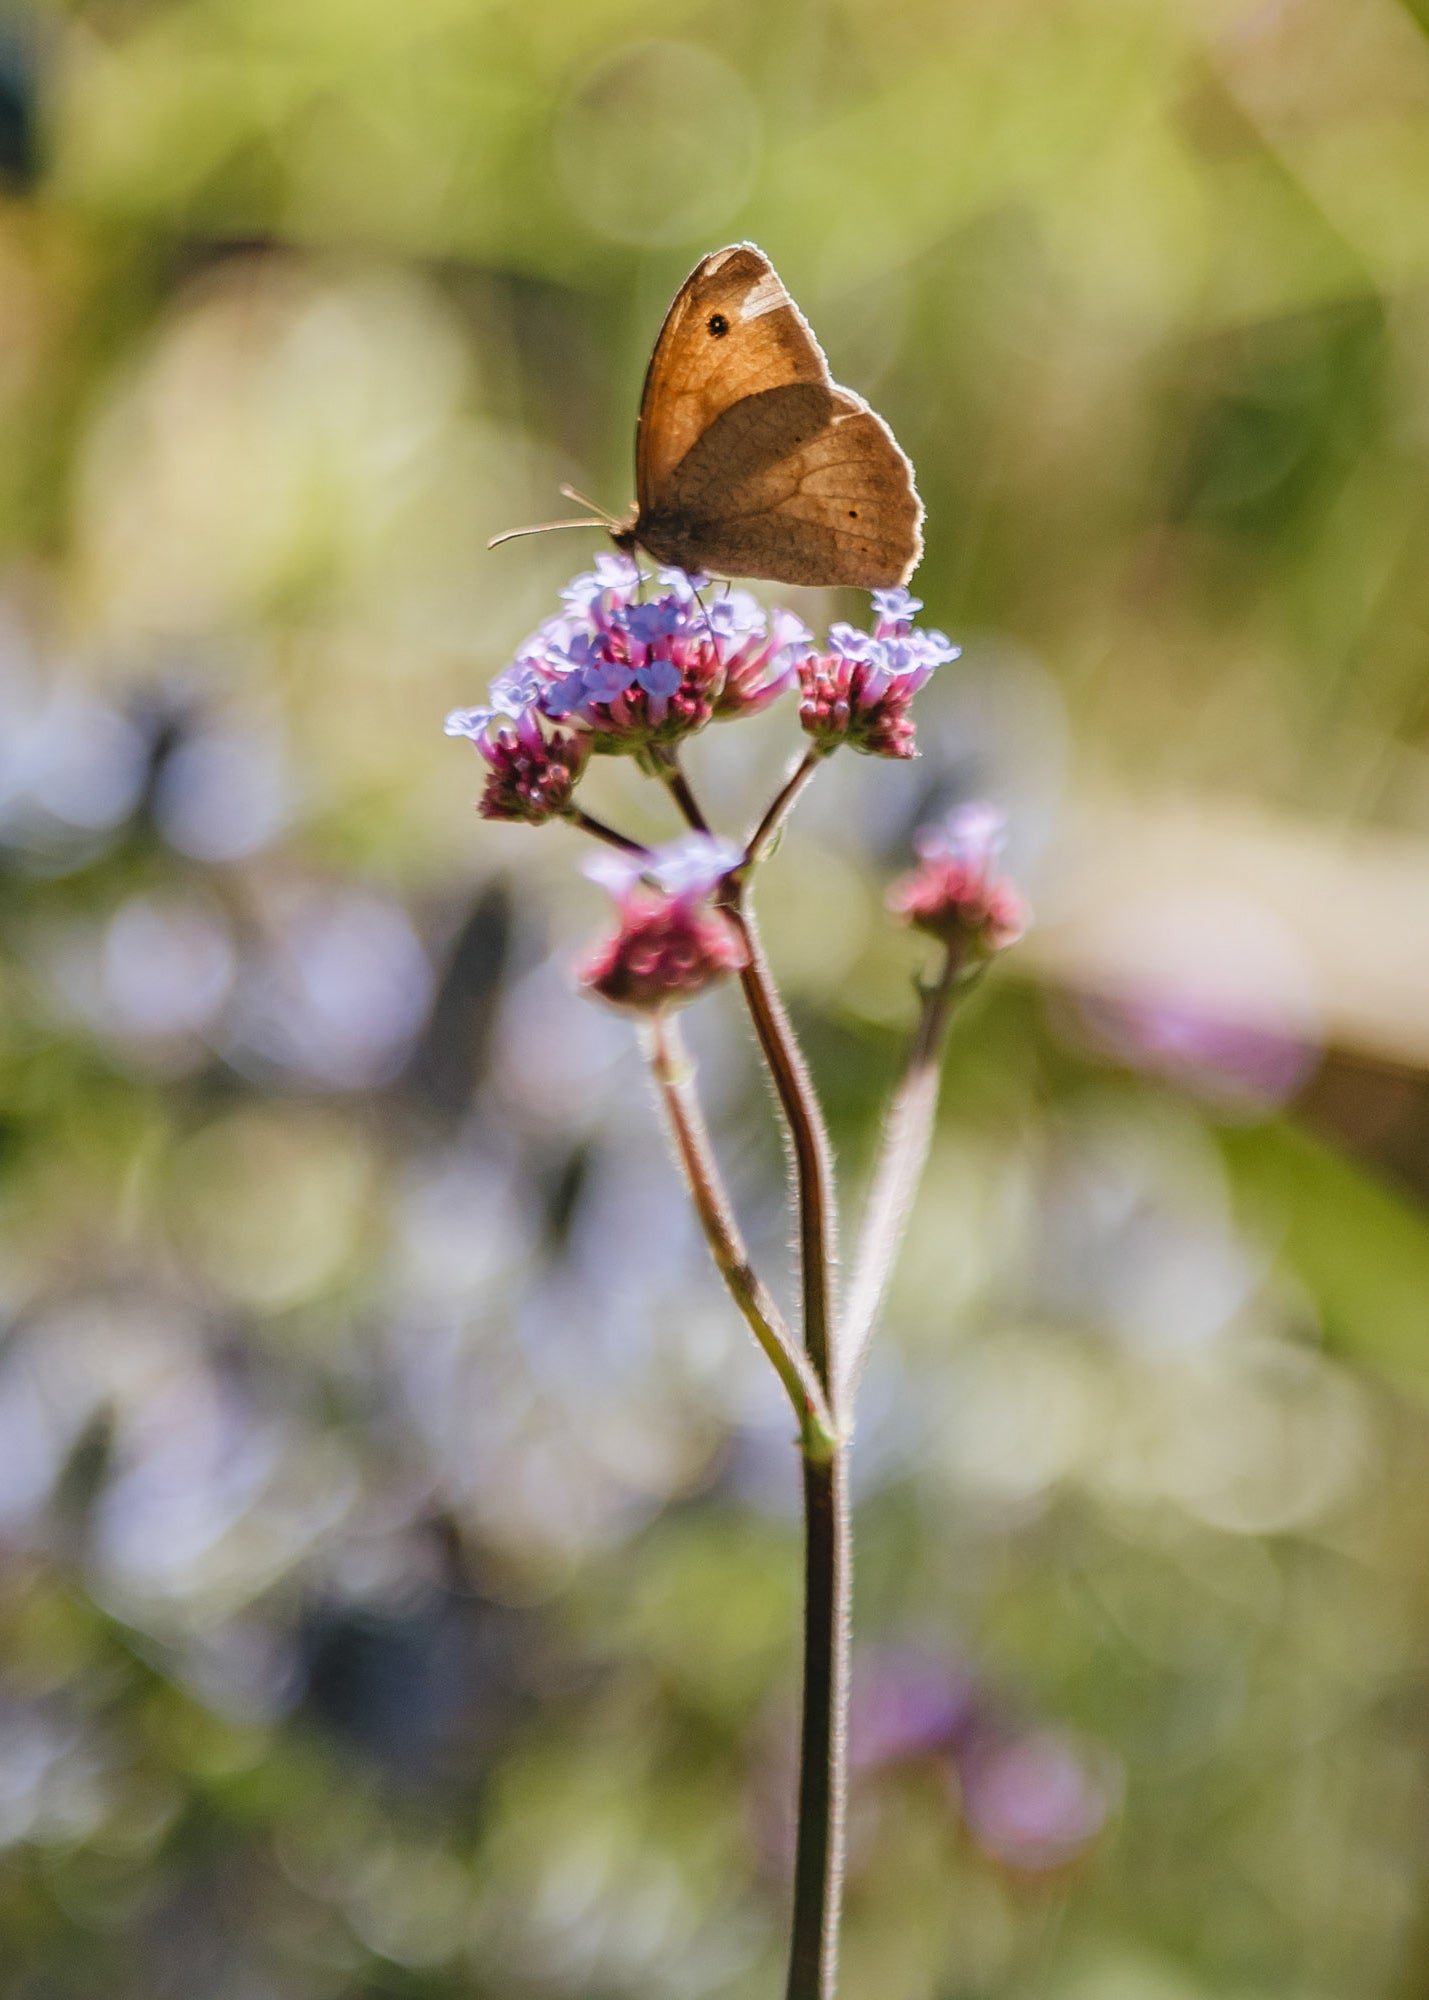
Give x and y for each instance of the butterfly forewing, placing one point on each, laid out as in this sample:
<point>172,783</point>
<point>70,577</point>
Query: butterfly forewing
<point>749,459</point>
<point>732,331</point>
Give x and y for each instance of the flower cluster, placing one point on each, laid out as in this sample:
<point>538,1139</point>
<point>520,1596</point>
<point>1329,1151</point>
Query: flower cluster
<point>534,770</point>
<point>672,941</point>
<point>636,661</point>
<point>637,669</point>
<point>954,892</point>
<point>860,691</point>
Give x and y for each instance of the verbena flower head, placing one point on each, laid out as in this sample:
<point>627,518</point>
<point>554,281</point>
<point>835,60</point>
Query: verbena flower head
<point>637,659</point>
<point>671,941</point>
<point>859,690</point>
<point>534,769</point>
<point>954,893</point>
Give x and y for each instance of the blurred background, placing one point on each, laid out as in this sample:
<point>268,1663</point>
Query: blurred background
<point>400,1537</point>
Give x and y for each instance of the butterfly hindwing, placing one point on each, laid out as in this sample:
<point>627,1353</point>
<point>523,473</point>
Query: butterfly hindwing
<point>749,459</point>
<point>802,483</point>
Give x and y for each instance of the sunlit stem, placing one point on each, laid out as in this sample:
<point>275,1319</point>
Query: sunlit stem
<point>902,1156</point>
<point>803,1116</point>
<point>675,1080</point>
<point>780,806</point>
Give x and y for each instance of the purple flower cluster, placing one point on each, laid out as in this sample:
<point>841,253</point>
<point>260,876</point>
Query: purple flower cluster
<point>636,669</point>
<point>671,941</point>
<point>860,690</point>
<point>534,770</point>
<point>635,661</point>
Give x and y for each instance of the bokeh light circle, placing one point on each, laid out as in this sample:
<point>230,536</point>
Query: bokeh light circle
<point>658,144</point>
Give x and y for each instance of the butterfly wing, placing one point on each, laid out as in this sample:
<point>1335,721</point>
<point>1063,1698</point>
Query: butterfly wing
<point>750,459</point>
<point>731,331</point>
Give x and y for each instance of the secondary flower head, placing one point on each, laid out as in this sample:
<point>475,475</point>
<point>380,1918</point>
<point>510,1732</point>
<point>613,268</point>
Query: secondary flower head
<point>533,769</point>
<point>955,893</point>
<point>637,659</point>
<point>859,691</point>
<point>671,941</point>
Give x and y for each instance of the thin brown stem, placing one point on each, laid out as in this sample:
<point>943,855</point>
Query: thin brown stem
<point>674,1078</point>
<point>803,1117</point>
<point>823,1762</point>
<point>808,1136</point>
<point>598,830</point>
<point>679,788</point>
<point>779,807</point>
<point>902,1156</point>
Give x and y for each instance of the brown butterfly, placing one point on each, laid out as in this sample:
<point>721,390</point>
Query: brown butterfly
<point>750,460</point>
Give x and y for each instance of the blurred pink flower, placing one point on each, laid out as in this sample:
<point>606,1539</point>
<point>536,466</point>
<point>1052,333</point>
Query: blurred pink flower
<point>671,942</point>
<point>954,893</point>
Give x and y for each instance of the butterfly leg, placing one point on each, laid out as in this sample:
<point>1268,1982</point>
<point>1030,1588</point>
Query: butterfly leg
<point>708,627</point>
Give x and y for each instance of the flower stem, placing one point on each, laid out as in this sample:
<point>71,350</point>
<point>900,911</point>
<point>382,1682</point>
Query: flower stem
<point>674,1078</point>
<point>598,830</point>
<point>902,1155</point>
<point>823,1759</point>
<point>823,1747</point>
<point>780,807</point>
<point>813,1155</point>
<point>679,787</point>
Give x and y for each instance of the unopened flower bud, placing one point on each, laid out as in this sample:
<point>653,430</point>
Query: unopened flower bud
<point>954,893</point>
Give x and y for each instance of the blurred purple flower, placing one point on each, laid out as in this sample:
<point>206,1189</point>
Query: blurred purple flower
<point>954,893</point>
<point>223,793</point>
<point>671,942</point>
<point>908,1704</point>
<point>341,992</point>
<point>860,689</point>
<point>1227,1061</point>
<point>1034,1803</point>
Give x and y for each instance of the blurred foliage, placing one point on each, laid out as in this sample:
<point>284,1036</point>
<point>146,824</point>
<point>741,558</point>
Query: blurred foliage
<point>400,1541</point>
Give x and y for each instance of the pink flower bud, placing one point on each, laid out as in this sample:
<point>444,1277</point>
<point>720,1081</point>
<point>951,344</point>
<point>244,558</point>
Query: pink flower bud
<point>672,941</point>
<point>954,893</point>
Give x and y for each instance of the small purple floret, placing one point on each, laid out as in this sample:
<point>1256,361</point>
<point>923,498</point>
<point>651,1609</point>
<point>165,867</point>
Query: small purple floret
<point>860,689</point>
<point>636,659</point>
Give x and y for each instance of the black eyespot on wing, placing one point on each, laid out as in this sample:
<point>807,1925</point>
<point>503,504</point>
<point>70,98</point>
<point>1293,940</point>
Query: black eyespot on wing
<point>718,324</point>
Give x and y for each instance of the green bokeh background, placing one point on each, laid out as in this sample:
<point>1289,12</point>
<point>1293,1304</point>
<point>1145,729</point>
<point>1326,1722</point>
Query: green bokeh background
<point>400,1540</point>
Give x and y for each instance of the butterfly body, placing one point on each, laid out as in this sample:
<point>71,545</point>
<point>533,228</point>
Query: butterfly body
<point>750,460</point>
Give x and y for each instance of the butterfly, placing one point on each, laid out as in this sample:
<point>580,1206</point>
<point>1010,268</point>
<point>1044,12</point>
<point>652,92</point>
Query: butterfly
<point>750,460</point>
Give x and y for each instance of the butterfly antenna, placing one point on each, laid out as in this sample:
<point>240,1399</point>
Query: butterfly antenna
<point>541,528</point>
<point>570,493</point>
